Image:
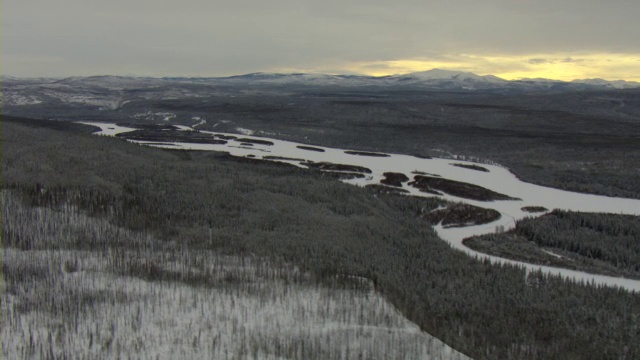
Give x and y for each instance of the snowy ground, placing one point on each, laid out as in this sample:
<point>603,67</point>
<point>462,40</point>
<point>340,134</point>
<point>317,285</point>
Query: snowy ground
<point>20,100</point>
<point>253,311</point>
<point>131,296</point>
<point>497,179</point>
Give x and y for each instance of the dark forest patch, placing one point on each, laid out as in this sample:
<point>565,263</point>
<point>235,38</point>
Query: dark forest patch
<point>271,157</point>
<point>225,137</point>
<point>365,153</point>
<point>471,167</point>
<point>457,188</point>
<point>255,141</point>
<point>152,143</point>
<point>420,156</point>
<point>192,137</point>
<point>310,148</point>
<point>460,215</point>
<point>534,209</point>
<point>337,167</point>
<point>394,179</point>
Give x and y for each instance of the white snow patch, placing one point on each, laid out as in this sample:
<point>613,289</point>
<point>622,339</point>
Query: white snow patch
<point>263,313</point>
<point>201,121</point>
<point>552,254</point>
<point>183,127</point>
<point>155,116</point>
<point>245,131</point>
<point>108,129</point>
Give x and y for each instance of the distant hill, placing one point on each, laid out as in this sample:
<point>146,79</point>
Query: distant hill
<point>431,79</point>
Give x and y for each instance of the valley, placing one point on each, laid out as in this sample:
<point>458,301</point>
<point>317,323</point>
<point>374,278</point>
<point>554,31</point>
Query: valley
<point>320,180</point>
<point>477,185</point>
<point>238,172</point>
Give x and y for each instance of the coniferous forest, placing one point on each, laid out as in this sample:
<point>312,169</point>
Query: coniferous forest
<point>164,207</point>
<point>598,243</point>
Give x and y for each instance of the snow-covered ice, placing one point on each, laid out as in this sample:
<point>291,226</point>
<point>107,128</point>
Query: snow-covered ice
<point>108,129</point>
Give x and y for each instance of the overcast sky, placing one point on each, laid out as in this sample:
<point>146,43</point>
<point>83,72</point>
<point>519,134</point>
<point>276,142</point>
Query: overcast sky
<point>562,39</point>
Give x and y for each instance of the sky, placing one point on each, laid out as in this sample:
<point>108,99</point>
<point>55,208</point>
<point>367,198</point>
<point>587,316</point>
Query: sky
<point>556,39</point>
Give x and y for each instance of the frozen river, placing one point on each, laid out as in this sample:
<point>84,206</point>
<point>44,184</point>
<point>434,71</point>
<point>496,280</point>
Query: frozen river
<point>495,178</point>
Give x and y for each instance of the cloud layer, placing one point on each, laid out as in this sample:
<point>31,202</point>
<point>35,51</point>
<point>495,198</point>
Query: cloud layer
<point>224,37</point>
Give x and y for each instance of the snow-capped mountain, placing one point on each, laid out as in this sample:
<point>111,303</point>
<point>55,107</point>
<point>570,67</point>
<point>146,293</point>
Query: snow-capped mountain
<point>440,74</point>
<point>615,84</point>
<point>449,79</point>
<point>432,78</point>
<point>435,78</point>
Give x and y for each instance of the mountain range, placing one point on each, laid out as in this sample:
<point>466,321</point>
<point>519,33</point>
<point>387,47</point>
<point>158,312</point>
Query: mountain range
<point>435,78</point>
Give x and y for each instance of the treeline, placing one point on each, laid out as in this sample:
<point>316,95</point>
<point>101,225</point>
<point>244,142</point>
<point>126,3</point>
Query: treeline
<point>241,206</point>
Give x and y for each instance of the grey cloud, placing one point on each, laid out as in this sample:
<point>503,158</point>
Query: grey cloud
<point>226,37</point>
<point>572,60</point>
<point>539,61</point>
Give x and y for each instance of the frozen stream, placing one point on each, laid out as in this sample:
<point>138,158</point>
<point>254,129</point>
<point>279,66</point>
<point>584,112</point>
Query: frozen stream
<point>497,179</point>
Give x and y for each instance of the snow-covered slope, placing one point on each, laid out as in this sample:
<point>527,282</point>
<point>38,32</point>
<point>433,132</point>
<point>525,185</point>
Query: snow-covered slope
<point>440,74</point>
<point>449,79</point>
<point>434,78</point>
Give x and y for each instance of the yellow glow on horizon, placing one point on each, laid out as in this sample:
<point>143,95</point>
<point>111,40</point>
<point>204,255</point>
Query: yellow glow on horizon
<point>565,67</point>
